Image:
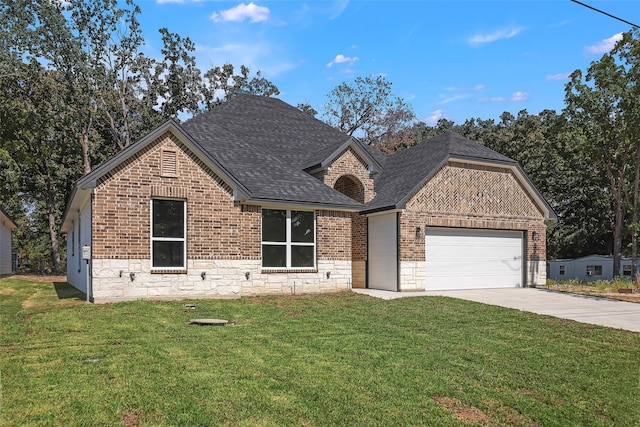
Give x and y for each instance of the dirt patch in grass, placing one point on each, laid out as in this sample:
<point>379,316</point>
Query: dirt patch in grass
<point>497,415</point>
<point>510,416</point>
<point>5,292</point>
<point>131,419</point>
<point>37,278</point>
<point>466,413</point>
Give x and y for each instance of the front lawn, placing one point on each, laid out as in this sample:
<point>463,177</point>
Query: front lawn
<point>337,359</point>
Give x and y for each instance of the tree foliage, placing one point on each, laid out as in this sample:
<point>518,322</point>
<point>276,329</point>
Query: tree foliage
<point>368,109</point>
<point>604,103</point>
<point>75,88</point>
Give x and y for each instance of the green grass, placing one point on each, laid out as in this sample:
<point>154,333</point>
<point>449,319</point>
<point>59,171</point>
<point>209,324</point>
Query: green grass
<point>339,359</point>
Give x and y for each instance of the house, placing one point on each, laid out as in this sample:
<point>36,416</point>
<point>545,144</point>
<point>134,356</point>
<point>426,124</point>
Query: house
<point>6,225</point>
<point>257,197</point>
<point>588,269</point>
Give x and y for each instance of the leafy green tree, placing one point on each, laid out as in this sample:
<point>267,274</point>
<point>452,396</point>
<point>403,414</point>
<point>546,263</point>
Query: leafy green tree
<point>305,107</point>
<point>368,109</point>
<point>37,142</point>
<point>603,102</point>
<point>221,83</point>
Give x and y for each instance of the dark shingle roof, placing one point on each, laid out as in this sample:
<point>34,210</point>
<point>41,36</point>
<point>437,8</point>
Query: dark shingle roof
<point>265,144</point>
<point>406,171</point>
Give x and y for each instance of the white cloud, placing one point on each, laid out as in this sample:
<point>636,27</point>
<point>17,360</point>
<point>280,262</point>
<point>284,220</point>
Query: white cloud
<point>433,118</point>
<point>603,46</point>
<point>505,33</point>
<point>341,59</point>
<point>448,99</point>
<point>558,76</point>
<point>519,96</point>
<point>479,87</point>
<point>498,99</point>
<point>338,7</point>
<point>251,11</point>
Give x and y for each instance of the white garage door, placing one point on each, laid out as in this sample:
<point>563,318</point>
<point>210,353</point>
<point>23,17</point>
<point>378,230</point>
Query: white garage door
<point>473,259</point>
<point>383,252</point>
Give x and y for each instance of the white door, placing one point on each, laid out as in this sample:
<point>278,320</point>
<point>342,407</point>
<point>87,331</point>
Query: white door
<point>473,259</point>
<point>383,252</point>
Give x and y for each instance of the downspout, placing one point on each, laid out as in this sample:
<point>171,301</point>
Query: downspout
<point>366,256</point>
<point>397,251</point>
<point>90,261</point>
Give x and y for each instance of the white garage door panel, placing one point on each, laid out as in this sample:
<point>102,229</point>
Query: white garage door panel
<point>473,259</point>
<point>383,252</point>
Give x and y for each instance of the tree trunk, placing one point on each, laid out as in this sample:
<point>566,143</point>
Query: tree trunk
<point>617,233</point>
<point>84,144</point>
<point>53,232</point>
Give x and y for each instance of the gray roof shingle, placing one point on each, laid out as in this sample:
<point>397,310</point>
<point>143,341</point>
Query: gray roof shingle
<point>266,144</point>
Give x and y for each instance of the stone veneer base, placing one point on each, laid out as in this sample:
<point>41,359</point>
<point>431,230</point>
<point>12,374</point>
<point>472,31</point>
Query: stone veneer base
<point>222,279</point>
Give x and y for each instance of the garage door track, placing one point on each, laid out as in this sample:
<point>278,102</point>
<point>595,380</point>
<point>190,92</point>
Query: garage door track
<point>581,308</point>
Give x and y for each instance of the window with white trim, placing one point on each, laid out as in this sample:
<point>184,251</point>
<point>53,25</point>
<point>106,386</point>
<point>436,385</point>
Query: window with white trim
<point>168,233</point>
<point>562,270</point>
<point>288,239</point>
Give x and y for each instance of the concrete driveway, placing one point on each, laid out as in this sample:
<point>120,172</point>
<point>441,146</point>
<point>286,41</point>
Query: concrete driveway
<point>585,309</point>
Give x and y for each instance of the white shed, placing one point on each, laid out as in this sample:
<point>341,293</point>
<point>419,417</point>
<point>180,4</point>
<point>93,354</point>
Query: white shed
<point>6,225</point>
<point>588,269</point>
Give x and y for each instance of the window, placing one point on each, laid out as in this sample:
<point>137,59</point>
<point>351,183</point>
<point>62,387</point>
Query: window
<point>288,239</point>
<point>168,233</point>
<point>561,272</point>
<point>626,270</point>
<point>594,270</point>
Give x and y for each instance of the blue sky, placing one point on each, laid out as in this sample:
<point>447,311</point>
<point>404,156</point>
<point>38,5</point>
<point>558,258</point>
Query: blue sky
<point>449,59</point>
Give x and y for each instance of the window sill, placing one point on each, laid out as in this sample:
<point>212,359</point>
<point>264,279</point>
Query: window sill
<point>266,270</point>
<point>169,271</point>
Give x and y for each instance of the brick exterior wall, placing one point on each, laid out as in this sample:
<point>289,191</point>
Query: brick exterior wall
<point>349,174</point>
<point>349,164</point>
<point>216,227</point>
<point>472,196</point>
<point>223,237</point>
<point>333,232</point>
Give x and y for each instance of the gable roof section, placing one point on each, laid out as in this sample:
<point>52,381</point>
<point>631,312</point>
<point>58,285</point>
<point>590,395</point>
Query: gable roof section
<point>90,179</point>
<point>325,158</point>
<point>88,182</point>
<point>266,144</point>
<point>269,125</point>
<point>6,219</point>
<point>409,170</point>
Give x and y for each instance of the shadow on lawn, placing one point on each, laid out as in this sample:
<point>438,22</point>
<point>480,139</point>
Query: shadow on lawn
<point>66,291</point>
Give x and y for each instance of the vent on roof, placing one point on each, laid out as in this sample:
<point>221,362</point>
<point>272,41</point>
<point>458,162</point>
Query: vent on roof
<point>169,163</point>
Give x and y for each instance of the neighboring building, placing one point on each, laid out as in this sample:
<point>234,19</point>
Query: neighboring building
<point>257,197</point>
<point>587,269</point>
<point>6,225</point>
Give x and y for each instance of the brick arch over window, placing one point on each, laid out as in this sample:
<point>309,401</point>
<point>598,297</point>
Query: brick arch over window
<point>351,187</point>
